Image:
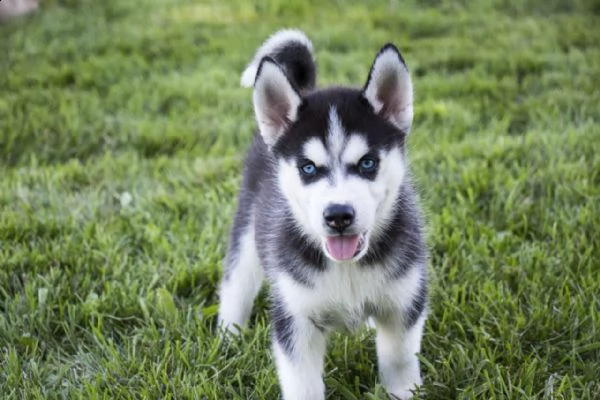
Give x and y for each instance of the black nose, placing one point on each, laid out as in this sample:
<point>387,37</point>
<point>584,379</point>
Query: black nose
<point>339,216</point>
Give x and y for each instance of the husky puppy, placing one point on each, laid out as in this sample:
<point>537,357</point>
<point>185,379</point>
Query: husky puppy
<point>328,215</point>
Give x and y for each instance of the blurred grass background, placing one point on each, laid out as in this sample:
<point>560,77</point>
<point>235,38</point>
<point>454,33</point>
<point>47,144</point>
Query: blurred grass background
<point>122,134</point>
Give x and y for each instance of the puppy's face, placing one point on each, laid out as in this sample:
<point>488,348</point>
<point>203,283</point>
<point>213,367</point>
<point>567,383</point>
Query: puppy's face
<point>340,151</point>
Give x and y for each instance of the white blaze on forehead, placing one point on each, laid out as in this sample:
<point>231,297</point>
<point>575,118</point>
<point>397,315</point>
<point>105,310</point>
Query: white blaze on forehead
<point>315,151</point>
<point>335,133</point>
<point>355,149</point>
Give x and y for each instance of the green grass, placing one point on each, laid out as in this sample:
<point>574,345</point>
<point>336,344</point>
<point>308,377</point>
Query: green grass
<point>122,132</point>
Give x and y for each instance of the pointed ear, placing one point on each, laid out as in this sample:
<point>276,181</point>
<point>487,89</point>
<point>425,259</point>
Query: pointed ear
<point>276,101</point>
<point>389,88</point>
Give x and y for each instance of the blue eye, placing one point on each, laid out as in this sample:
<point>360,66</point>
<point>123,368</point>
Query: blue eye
<point>309,169</point>
<point>367,164</point>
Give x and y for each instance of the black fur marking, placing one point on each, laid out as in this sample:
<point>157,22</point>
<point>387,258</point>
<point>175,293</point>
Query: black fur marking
<point>282,326</point>
<point>298,63</point>
<point>250,187</point>
<point>293,253</point>
<point>418,305</point>
<point>355,115</point>
<point>401,243</point>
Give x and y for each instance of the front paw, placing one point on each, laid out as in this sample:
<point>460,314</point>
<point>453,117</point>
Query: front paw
<point>402,394</point>
<point>404,391</point>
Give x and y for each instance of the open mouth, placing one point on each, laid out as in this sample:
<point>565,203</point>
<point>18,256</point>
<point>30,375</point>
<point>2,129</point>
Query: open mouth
<point>345,247</point>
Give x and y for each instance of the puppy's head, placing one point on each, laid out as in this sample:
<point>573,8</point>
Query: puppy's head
<point>340,150</point>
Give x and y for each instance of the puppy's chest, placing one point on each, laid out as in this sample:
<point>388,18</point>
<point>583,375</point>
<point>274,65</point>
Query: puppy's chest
<point>343,301</point>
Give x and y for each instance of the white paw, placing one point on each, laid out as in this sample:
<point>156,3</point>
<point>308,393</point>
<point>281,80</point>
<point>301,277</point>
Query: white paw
<point>227,329</point>
<point>402,394</point>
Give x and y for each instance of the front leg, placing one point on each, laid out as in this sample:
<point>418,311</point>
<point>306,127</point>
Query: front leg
<point>397,348</point>
<point>299,348</point>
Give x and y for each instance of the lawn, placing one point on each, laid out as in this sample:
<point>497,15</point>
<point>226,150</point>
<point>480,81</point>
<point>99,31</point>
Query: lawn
<point>122,134</point>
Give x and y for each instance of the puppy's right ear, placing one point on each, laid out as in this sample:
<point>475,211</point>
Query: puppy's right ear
<point>389,88</point>
<point>276,101</point>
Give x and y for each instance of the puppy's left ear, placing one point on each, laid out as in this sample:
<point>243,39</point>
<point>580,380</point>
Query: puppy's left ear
<point>389,88</point>
<point>276,101</point>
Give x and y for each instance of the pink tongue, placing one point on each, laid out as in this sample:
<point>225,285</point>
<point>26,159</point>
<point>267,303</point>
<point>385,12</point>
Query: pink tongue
<point>342,247</point>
